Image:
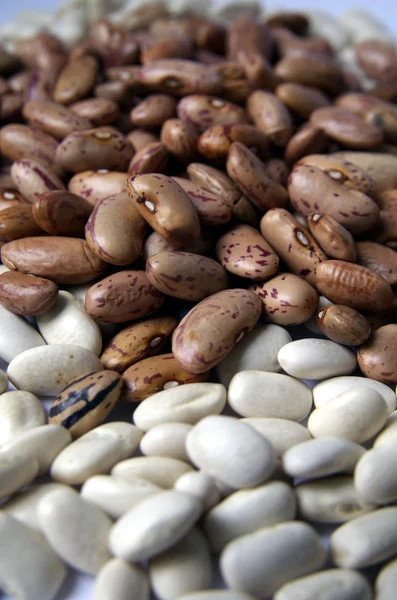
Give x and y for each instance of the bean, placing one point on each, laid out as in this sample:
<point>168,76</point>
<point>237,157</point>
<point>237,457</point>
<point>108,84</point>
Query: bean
<point>17,222</point>
<point>376,358</point>
<point>388,433</point>
<point>343,325</point>
<point>206,111</point>
<point>301,99</point>
<point>180,77</point>
<point>98,111</point>
<point>200,485</point>
<point>23,507</point>
<point>94,186</point>
<point>316,359</point>
<point>17,335</point>
<point>378,258</point>
<point>153,111</point>
<point>76,80</point>
<point>385,581</point>
<point>181,139</point>
<point>61,213</point>
<point>211,209</point>
<point>23,141</point>
<point>166,439</point>
<point>270,116</point>
<point>16,472</point>
<point>53,118</point>
<point>34,178</point>
<point>346,584</point>
<point>333,238</point>
<point>347,128</point>
<point>118,578</point>
<point>281,433</point>
<point>214,143</point>
<point>26,295</point>
<point>152,158</point>
<point>163,471</point>
<point>317,71</point>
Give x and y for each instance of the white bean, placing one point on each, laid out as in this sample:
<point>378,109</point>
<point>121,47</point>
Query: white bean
<point>118,580</point>
<point>166,439</point>
<point>281,433</point>
<point>311,358</point>
<point>19,412</point>
<point>160,470</point>
<point>375,476</point>
<point>17,335</point>
<point>340,584</point>
<point>331,388</point>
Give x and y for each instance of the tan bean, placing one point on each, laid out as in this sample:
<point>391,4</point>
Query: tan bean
<point>136,342</point>
<point>152,158</point>
<point>381,167</point>
<point>166,207</point>
<point>140,138</point>
<point>377,358</point>
<point>215,142</point>
<point>307,140</point>
<point>26,295</point>
<point>342,171</point>
<point>258,71</point>
<point>247,35</point>
<point>206,111</point>
<point>185,275</point>
<point>98,111</point>
<point>385,231</point>
<point>378,59</point>
<point>244,252</point>
<point>93,186</point>
<point>301,99</point>
<point>61,213</point>
<point>212,209</point>
<point>244,212</point>
<point>278,170</point>
<point>34,178</point>
<point>334,239</point>
<point>180,138</point>
<point>180,77</point>
<point>154,374</point>
<point>113,43</point>
<point>177,47</point>
<point>63,260</point>
<point>86,402</point>
<point>387,200</point>
<point>353,285</point>
<point>311,190</point>
<point>214,181</point>
<point>153,111</point>
<point>127,75</point>
<point>347,128</point>
<point>374,111</point>
<point>10,197</point>
<point>22,141</point>
<point>17,222</point>
<point>115,230</point>
<point>155,243</point>
<point>99,148</point>
<point>237,90</point>
<point>378,258</point>
<point>210,330</point>
<point>270,116</point>
<point>114,91</point>
<point>316,71</point>
<point>293,244</point>
<point>123,296</point>
<point>343,324</point>
<point>247,172</point>
<point>76,80</point>
<point>43,51</point>
<point>287,299</point>
<point>53,118</point>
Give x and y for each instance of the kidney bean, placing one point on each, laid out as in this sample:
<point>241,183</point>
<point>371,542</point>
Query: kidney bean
<point>347,128</point>
<point>22,141</point>
<point>123,296</point>
<point>378,258</point>
<point>98,111</point>
<point>313,70</point>
<point>214,181</point>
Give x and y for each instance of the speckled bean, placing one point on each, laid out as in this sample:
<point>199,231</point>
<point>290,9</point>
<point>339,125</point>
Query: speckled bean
<point>33,178</point>
<point>94,186</point>
<point>59,212</point>
<point>377,357</point>
<point>333,238</point>
<point>17,222</point>
<point>206,111</point>
<point>180,77</point>
<point>23,141</point>
<point>98,111</point>
<point>215,142</point>
<point>152,158</point>
<point>270,116</point>
<point>153,111</point>
<point>180,138</point>
<point>53,118</point>
<point>76,80</point>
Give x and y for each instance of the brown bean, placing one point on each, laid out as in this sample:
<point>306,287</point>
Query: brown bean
<point>353,285</point>
<point>311,190</point>
<point>347,128</point>
<point>301,99</point>
<point>155,243</point>
<point>289,44</point>
<point>293,244</point>
<point>22,141</point>
<point>377,358</point>
<point>307,140</point>
<point>44,51</point>
<point>343,324</point>
<point>10,197</point>
<point>154,374</point>
<point>26,295</point>
<point>76,80</point>
<point>99,148</point>
<point>210,36</point>
<point>381,167</point>
<point>166,207</point>
<point>248,173</point>
<point>123,296</point>
<point>387,200</point>
<point>185,275</point>
<point>180,77</point>
<point>152,158</point>
<point>180,138</point>
<point>212,209</point>
<point>334,239</point>
<point>136,342</point>
<point>378,258</point>
<point>342,171</point>
<point>278,170</point>
<point>113,43</point>
<point>93,186</point>
<point>378,59</point>
<point>153,111</point>
<point>237,90</point>
<point>214,181</point>
<point>215,142</point>
<point>374,111</point>
<point>244,252</point>
<point>294,21</point>
<point>177,47</point>
<point>244,212</point>
<point>316,71</point>
<point>206,111</point>
<point>247,35</point>
<point>114,91</point>
<point>212,328</point>
<point>115,230</point>
<point>270,116</point>
<point>34,178</point>
<point>258,71</point>
<point>287,299</point>
<point>98,111</point>
<point>17,222</point>
<point>86,402</point>
<point>61,213</point>
<point>63,260</point>
<point>11,107</point>
<point>53,118</point>
<point>140,138</point>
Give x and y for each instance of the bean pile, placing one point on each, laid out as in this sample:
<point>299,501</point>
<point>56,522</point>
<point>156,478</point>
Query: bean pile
<point>178,191</point>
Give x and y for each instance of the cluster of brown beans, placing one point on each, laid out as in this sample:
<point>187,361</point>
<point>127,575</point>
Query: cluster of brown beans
<point>182,167</point>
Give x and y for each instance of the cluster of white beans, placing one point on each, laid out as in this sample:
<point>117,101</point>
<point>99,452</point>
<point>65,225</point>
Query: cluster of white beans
<point>225,470</point>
